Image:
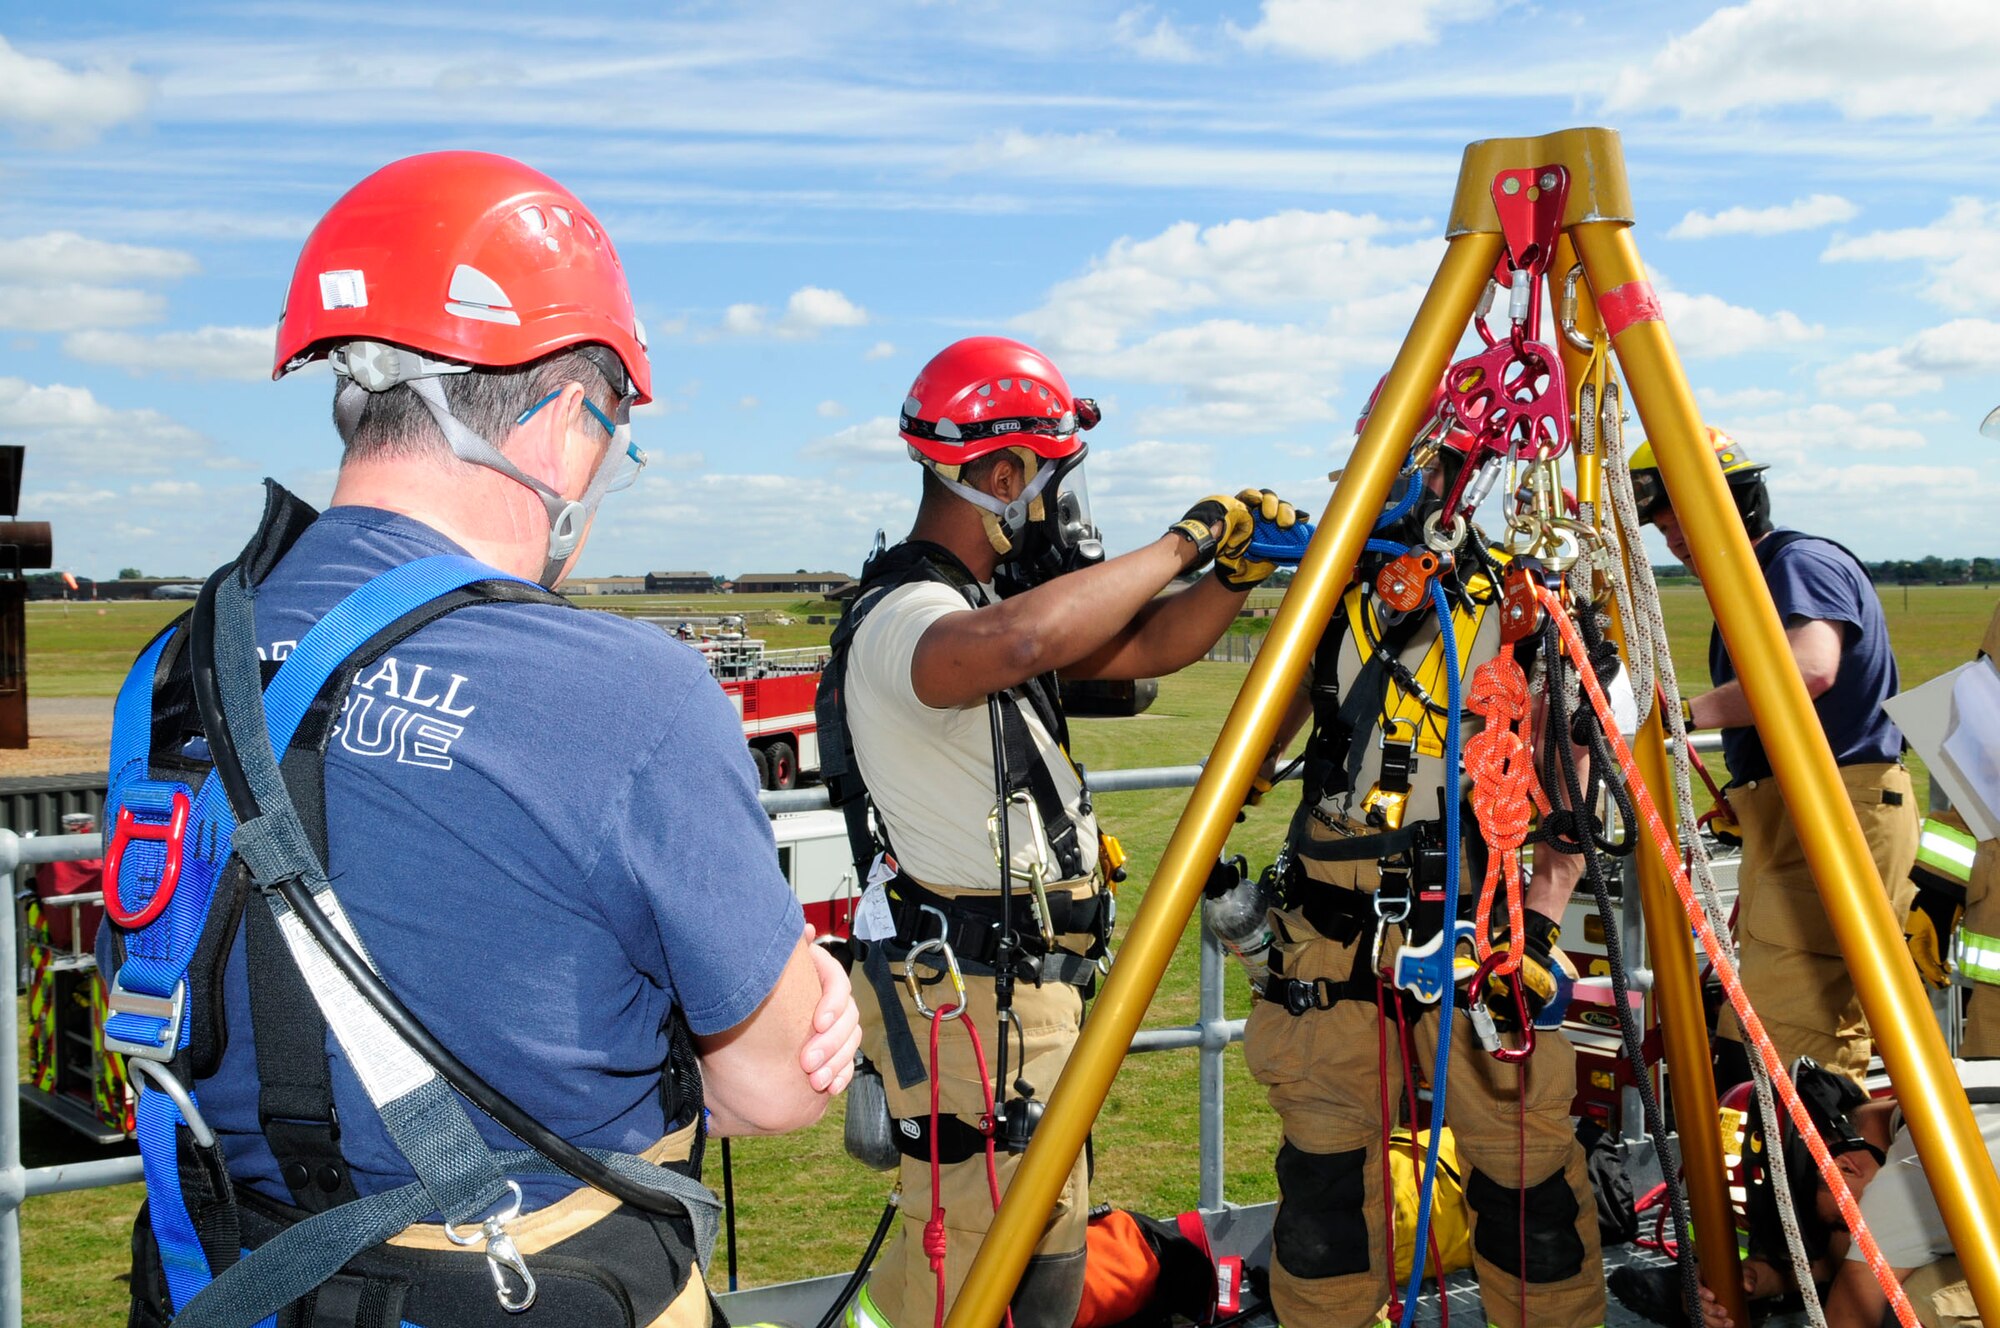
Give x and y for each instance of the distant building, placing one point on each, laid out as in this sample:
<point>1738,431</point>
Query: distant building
<point>605,585</point>
<point>792,583</point>
<point>679,583</point>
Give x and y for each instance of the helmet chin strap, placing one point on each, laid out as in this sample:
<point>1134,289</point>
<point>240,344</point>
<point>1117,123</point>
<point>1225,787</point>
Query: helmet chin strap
<point>569,518</point>
<point>1004,522</point>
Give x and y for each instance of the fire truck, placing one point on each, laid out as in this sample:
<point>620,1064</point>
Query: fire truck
<point>773,691</point>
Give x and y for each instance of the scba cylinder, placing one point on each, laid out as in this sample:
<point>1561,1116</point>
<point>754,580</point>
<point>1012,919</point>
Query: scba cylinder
<point>1237,907</point>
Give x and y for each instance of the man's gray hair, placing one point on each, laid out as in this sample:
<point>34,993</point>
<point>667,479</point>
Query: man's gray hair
<point>489,402</point>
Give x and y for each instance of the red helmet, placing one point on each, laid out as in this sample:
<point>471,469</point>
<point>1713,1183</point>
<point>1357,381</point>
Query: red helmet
<point>465,256</point>
<point>985,393</point>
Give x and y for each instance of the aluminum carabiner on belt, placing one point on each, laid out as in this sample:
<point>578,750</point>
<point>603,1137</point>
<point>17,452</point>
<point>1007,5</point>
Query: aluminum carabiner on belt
<point>938,944</point>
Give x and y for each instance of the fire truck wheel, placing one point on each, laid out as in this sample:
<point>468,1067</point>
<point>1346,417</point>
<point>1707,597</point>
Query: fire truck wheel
<point>762,765</point>
<point>783,761</point>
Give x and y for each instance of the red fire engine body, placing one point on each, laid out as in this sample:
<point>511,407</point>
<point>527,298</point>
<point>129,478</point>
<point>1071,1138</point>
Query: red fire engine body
<point>773,691</point>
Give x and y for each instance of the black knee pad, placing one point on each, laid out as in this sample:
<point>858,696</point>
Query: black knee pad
<point>1322,1227</point>
<point>1555,1251</point>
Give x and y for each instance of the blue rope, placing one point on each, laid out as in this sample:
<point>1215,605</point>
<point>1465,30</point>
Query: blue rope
<point>1413,487</point>
<point>1441,1068</point>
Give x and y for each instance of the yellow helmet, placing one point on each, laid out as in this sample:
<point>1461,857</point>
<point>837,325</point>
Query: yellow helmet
<point>1651,495</point>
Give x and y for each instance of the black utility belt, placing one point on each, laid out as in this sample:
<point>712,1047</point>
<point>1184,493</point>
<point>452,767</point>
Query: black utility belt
<point>974,924</point>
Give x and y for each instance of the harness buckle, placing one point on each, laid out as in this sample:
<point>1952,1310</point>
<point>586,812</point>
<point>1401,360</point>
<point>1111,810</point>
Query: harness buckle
<point>172,833</point>
<point>168,1010</point>
<point>502,1255</point>
<point>1304,997</point>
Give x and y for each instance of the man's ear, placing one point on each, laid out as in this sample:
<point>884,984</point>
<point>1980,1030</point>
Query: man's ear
<point>539,444</point>
<point>1004,480</point>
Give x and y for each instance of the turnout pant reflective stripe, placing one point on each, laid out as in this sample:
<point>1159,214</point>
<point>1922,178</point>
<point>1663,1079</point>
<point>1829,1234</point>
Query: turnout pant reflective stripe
<point>1982,919</point>
<point>1320,1071</point>
<point>1791,965</point>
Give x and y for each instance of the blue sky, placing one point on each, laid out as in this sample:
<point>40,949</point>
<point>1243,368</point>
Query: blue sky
<point>1217,218</point>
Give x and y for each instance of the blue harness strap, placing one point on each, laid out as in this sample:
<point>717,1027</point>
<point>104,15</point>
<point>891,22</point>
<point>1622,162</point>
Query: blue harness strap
<point>168,847</point>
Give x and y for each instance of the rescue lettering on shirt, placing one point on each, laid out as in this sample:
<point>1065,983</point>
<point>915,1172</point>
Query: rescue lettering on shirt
<point>395,711</point>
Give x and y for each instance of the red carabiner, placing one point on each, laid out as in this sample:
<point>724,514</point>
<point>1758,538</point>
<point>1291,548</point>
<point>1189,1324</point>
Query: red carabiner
<point>129,828</point>
<point>1475,993</point>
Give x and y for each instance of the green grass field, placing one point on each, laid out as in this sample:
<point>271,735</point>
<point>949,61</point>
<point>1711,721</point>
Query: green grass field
<point>804,1208</point>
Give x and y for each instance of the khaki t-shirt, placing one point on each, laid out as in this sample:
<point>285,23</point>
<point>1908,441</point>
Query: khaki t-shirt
<point>930,771</point>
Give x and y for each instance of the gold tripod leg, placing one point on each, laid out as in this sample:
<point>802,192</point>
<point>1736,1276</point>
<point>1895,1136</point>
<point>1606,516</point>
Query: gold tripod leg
<point>1212,807</point>
<point>1948,1142</point>
<point>1670,950</point>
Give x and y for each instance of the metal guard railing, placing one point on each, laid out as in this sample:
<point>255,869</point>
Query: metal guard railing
<point>1210,1034</point>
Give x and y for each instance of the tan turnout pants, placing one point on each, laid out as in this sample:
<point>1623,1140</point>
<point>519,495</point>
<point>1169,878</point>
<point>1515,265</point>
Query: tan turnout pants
<point>1321,1071</point>
<point>1792,968</point>
<point>903,1288</point>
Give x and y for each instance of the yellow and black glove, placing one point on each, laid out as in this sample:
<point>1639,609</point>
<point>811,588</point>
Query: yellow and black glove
<point>1545,969</point>
<point>1922,933</point>
<point>1234,566</point>
<point>1198,526</point>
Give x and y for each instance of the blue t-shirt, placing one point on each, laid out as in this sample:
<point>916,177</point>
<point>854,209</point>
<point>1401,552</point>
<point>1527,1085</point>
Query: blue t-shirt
<point>1810,579</point>
<point>544,825</point>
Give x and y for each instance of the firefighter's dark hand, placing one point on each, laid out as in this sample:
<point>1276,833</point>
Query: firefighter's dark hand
<point>1541,959</point>
<point>1234,566</point>
<point>1208,523</point>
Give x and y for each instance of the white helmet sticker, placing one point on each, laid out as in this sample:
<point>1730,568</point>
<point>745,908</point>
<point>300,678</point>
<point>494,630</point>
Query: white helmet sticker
<point>473,294</point>
<point>344,289</point>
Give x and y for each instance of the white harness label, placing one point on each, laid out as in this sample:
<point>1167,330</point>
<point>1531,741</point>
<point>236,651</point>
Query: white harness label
<point>873,920</point>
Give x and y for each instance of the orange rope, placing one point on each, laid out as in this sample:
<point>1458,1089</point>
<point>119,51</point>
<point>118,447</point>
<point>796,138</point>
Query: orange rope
<point>1504,794</point>
<point>1725,968</point>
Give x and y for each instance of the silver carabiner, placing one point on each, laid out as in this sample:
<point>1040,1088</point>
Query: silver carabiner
<point>501,1253</point>
<point>943,947</point>
<point>1568,316</point>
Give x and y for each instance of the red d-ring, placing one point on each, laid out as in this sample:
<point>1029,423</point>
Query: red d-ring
<point>129,828</point>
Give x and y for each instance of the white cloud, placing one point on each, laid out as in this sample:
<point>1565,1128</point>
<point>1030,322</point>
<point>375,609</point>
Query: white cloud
<point>683,520</point>
<point>1289,259</point>
<point>810,311</point>
<point>829,410</point>
<point>743,320</point>
<point>1920,364</point>
<point>1961,250</point>
<point>1709,327</point>
<point>1805,214</point>
<point>1149,481</point>
<point>68,306</point>
<point>1804,434</point>
<point>881,350</point>
<point>1346,31</point>
<point>868,442</point>
<point>1158,39</point>
<point>66,256</point>
<point>69,431</point>
<point>1745,398</point>
<point>746,403</point>
<point>62,105</point>
<point>1926,58</point>
<point>241,354</point>
<point>813,309</point>
<point>1334,290</point>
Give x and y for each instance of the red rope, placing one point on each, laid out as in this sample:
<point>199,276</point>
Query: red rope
<point>1395,1307</point>
<point>935,1238</point>
<point>1504,796</point>
<point>1719,960</point>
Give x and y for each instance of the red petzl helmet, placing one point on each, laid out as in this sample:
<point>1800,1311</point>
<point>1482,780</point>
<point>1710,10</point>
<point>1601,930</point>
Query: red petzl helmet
<point>985,393</point>
<point>464,256</point>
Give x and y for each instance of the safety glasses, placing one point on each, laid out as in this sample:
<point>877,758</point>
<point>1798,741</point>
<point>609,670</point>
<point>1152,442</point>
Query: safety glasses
<point>618,423</point>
